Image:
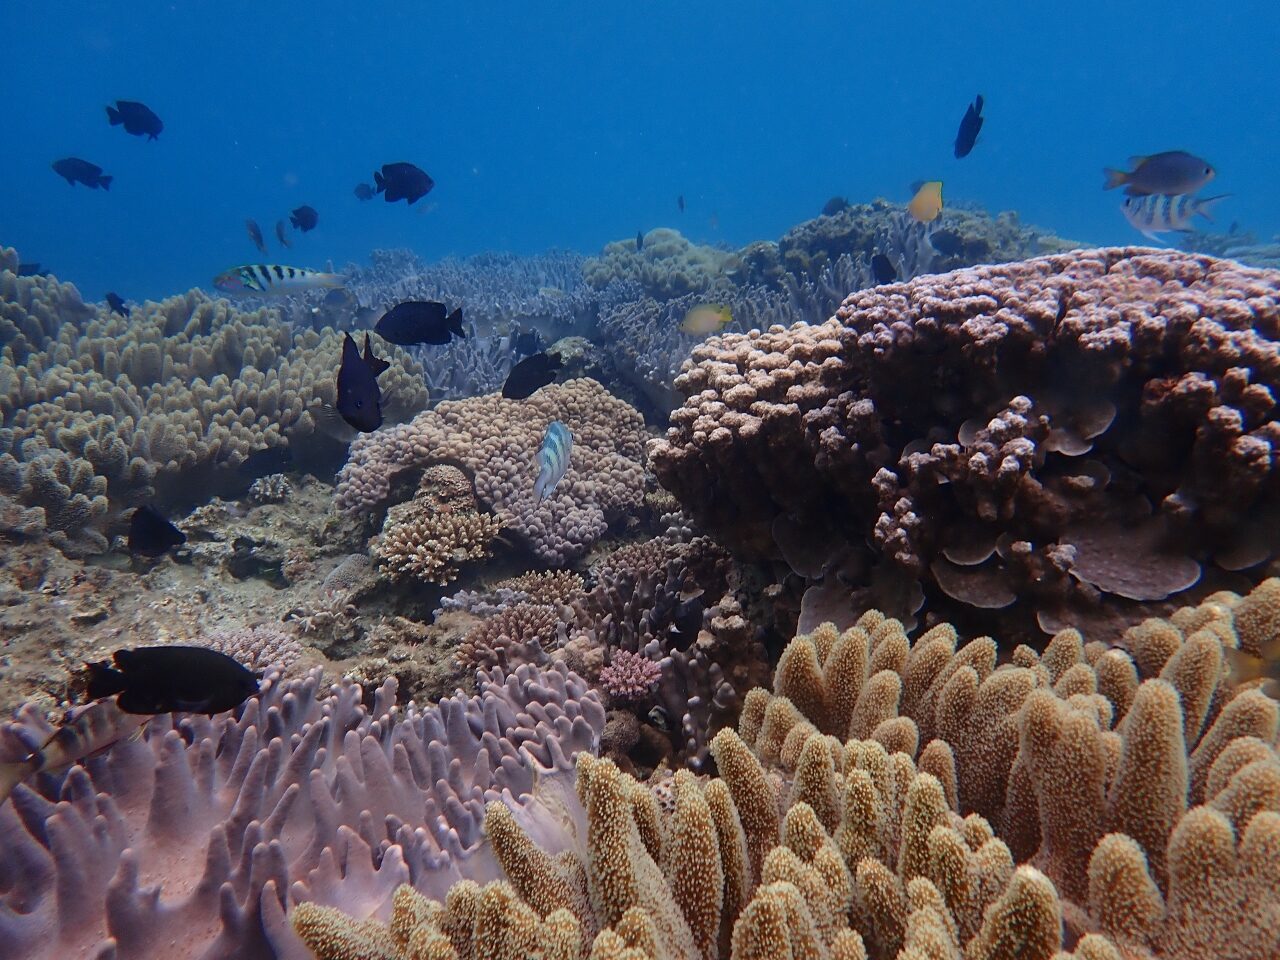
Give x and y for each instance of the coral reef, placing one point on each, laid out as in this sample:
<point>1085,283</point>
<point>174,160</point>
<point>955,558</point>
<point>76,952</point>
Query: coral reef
<point>1034,437</point>
<point>104,411</point>
<point>496,441</point>
<point>665,267</point>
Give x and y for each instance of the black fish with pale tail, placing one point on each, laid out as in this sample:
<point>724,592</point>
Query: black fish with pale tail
<point>363,191</point>
<point>359,399</point>
<point>116,303</point>
<point>151,680</point>
<point>420,321</point>
<point>1172,173</point>
<point>304,218</point>
<point>402,181</point>
<point>137,118</point>
<point>255,234</point>
<point>882,269</point>
<point>74,170</point>
<point>150,534</point>
<point>970,125</point>
<point>531,374</point>
<point>281,235</point>
<point>834,206</point>
<point>526,342</point>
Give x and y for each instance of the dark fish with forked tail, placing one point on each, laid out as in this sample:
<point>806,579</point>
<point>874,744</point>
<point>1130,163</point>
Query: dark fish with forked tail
<point>150,534</point>
<point>74,170</point>
<point>420,321</point>
<point>402,181</point>
<point>970,125</point>
<point>1174,172</point>
<point>530,375</point>
<point>137,118</point>
<point>882,269</point>
<point>359,399</point>
<point>116,303</point>
<point>172,679</point>
<point>304,218</point>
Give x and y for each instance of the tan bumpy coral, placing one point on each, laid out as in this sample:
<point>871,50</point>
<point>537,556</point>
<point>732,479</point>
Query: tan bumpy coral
<point>1087,803</point>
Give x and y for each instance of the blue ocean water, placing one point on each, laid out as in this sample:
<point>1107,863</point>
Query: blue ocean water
<point>575,123</point>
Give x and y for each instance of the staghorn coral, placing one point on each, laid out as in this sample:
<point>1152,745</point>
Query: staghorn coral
<point>1033,437</point>
<point>300,798</point>
<point>496,441</point>
<point>101,410</point>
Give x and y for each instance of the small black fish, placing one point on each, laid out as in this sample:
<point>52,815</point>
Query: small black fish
<point>255,234</point>
<point>834,205</point>
<point>117,304</point>
<point>266,461</point>
<point>151,680</point>
<point>947,242</point>
<point>639,240</point>
<point>359,399</point>
<point>970,124</point>
<point>281,235</point>
<point>420,321</point>
<point>531,374</point>
<point>680,202</point>
<point>526,342</point>
<point>75,170</point>
<point>150,534</point>
<point>402,181</point>
<point>304,218</point>
<point>137,118</point>
<point>363,191</point>
<point>30,270</point>
<point>882,269</point>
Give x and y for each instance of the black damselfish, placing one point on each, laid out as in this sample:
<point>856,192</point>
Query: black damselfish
<point>402,181</point>
<point>150,534</point>
<point>882,269</point>
<point>137,118</point>
<point>74,170</point>
<point>970,124</point>
<point>116,303</point>
<point>304,218</point>
<point>531,374</point>
<point>359,399</point>
<point>420,321</point>
<point>151,680</point>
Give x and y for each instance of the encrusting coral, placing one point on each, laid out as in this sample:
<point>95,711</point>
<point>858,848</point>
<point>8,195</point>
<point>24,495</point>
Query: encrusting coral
<point>1065,805</point>
<point>1025,437</point>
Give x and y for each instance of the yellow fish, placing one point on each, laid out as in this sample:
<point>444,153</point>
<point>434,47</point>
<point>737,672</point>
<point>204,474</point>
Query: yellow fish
<point>926,205</point>
<point>706,318</point>
<point>1246,667</point>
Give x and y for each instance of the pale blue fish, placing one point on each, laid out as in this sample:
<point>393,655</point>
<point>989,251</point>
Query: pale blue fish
<point>553,459</point>
<point>263,278</point>
<point>1157,213</point>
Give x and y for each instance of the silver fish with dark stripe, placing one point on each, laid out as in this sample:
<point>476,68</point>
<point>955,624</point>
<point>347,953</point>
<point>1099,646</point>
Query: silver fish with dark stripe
<point>553,459</point>
<point>1157,213</point>
<point>264,278</point>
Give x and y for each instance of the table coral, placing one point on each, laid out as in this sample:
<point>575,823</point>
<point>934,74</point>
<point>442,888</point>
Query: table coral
<point>496,441</point>
<point>1003,433</point>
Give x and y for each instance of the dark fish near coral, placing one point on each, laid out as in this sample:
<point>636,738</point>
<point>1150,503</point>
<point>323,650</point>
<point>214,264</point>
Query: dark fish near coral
<point>420,321</point>
<point>281,235</point>
<point>86,730</point>
<point>402,181</point>
<point>151,680</point>
<point>639,240</point>
<point>553,459</point>
<point>970,124</point>
<point>255,234</point>
<point>1154,213</point>
<point>137,118</point>
<point>680,202</point>
<point>359,399</point>
<point>364,192</point>
<point>117,304</point>
<point>273,278</point>
<point>74,170</point>
<point>266,461</point>
<point>526,342</point>
<point>1172,172</point>
<point>834,205</point>
<point>882,269</point>
<point>531,374</point>
<point>304,218</point>
<point>150,534</point>
<point>30,270</point>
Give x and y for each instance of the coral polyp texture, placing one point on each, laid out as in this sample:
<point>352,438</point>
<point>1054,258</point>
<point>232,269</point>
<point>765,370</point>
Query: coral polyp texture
<point>1032,437</point>
<point>497,441</point>
<point>195,839</point>
<point>911,800</point>
<point>103,411</point>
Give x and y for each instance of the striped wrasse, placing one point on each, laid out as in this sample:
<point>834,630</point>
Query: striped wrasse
<point>1156,213</point>
<point>85,731</point>
<point>553,459</point>
<point>272,278</point>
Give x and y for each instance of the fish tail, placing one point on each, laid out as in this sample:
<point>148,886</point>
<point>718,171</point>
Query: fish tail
<point>378,181</point>
<point>455,323</point>
<point>104,681</point>
<point>104,183</point>
<point>1206,204</point>
<point>1115,178</point>
<point>113,115</point>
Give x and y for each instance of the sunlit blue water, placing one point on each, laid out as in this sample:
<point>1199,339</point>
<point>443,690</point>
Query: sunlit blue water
<point>573,123</point>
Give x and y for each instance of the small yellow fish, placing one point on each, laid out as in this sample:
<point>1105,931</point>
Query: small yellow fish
<point>706,318</point>
<point>926,205</point>
<point>1246,667</point>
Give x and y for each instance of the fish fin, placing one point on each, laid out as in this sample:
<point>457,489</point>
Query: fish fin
<point>1153,236</point>
<point>375,364</point>
<point>378,182</point>
<point>105,183</point>
<point>554,360</point>
<point>104,680</point>
<point>455,323</point>
<point>1138,160</point>
<point>1115,178</point>
<point>1205,205</point>
<point>113,115</point>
